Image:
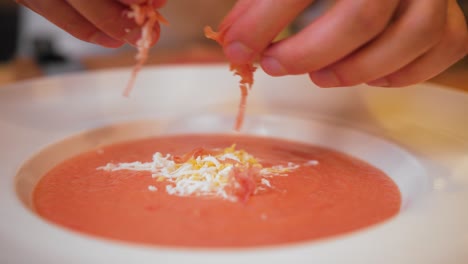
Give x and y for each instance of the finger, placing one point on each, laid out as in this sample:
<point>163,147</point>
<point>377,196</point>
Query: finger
<point>156,3</point>
<point>239,8</point>
<point>110,17</point>
<point>251,31</point>
<point>453,47</point>
<point>340,31</point>
<point>72,22</point>
<point>417,28</point>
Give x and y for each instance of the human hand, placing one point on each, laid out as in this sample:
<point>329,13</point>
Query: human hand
<point>389,43</point>
<point>103,22</point>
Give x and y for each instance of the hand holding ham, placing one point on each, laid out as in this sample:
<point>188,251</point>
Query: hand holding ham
<point>103,22</point>
<point>389,43</point>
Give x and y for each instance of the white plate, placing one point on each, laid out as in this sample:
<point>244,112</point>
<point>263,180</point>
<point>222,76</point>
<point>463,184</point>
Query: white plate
<point>417,135</point>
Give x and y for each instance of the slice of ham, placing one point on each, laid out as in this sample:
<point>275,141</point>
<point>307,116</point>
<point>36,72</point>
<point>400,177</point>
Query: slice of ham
<point>245,71</point>
<point>148,18</point>
<point>246,179</point>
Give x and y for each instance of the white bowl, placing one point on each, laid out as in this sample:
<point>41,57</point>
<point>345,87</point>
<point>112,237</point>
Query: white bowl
<point>417,135</point>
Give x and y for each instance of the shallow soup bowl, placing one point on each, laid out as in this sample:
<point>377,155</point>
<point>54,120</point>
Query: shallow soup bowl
<point>423,150</point>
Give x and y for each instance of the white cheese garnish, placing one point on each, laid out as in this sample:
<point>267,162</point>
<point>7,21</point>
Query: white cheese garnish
<point>206,175</point>
<point>135,166</point>
<point>280,170</point>
<point>312,163</point>
<point>266,182</point>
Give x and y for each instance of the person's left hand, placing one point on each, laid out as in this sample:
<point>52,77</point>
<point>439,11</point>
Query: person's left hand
<point>102,22</point>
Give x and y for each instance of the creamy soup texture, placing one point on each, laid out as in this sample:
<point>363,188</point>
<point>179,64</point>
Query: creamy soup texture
<point>215,191</point>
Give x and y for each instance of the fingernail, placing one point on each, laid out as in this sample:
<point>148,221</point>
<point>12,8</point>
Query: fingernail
<point>325,78</point>
<point>382,82</point>
<point>273,67</point>
<point>103,39</point>
<point>238,52</point>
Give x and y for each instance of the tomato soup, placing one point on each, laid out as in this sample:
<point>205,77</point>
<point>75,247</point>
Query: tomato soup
<point>215,191</point>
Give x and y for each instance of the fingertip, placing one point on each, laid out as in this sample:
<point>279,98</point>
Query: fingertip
<point>103,39</point>
<point>273,67</point>
<point>381,82</point>
<point>239,53</point>
<point>251,26</point>
<point>325,78</point>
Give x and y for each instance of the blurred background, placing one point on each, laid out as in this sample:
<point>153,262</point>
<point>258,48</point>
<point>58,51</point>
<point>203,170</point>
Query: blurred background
<point>32,47</point>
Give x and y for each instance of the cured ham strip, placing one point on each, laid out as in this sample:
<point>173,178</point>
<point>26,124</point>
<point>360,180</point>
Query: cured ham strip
<point>244,71</point>
<point>146,17</point>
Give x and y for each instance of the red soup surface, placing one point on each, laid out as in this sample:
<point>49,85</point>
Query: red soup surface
<point>210,193</point>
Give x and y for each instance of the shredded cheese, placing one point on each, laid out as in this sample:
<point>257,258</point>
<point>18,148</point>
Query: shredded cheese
<point>312,163</point>
<point>279,170</point>
<point>227,174</point>
<point>266,182</point>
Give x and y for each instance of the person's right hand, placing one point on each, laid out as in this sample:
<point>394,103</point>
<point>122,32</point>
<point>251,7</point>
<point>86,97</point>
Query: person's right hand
<point>103,22</point>
<point>386,43</point>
